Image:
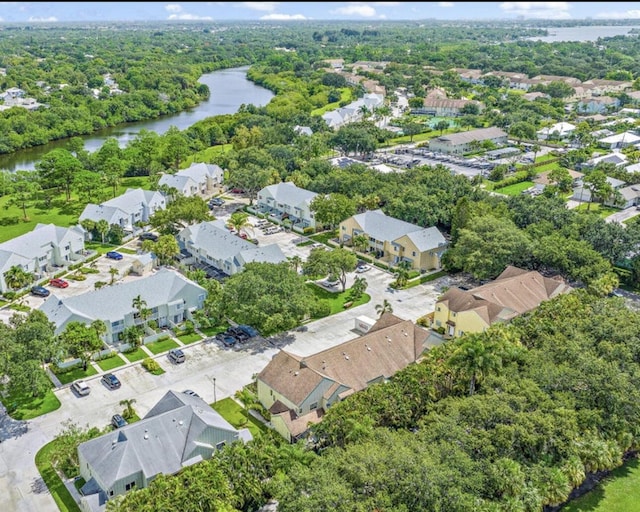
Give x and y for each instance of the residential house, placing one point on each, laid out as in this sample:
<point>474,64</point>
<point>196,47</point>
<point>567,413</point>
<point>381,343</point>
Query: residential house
<point>143,263</point>
<point>211,244</point>
<point>134,206</point>
<point>445,107</point>
<point>335,64</point>
<point>560,130</point>
<point>597,105</point>
<point>302,130</point>
<point>601,87</point>
<point>547,79</point>
<point>42,250</point>
<point>582,193</point>
<point>543,178</point>
<point>353,111</point>
<point>197,180</point>
<point>619,140</point>
<point>625,197</point>
<point>170,296</point>
<point>12,93</point>
<point>179,431</point>
<point>286,201</point>
<point>462,142</point>
<point>394,240</point>
<point>298,390</point>
<point>511,294</point>
<point>471,76</point>
<point>616,157</point>
<point>532,96</point>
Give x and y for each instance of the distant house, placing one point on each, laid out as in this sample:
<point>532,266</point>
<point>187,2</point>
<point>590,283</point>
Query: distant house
<point>582,193</point>
<point>626,197</point>
<point>353,111</point>
<point>394,240</point>
<point>616,157</point>
<point>597,105</point>
<point>286,201</point>
<point>170,296</point>
<point>179,431</point>
<point>42,250</point>
<point>511,294</point>
<point>543,178</point>
<point>559,130</point>
<point>619,140</point>
<point>135,205</point>
<point>532,96</point>
<point>212,244</point>
<point>445,107</point>
<point>302,130</point>
<point>460,143</point>
<point>197,180</point>
<point>298,390</point>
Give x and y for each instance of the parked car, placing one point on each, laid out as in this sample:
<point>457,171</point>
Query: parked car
<point>250,331</point>
<point>216,201</point>
<point>59,283</point>
<point>81,388</point>
<point>149,236</point>
<point>177,356</point>
<point>362,268</point>
<point>238,334</point>
<point>191,393</point>
<point>227,339</point>
<point>111,381</point>
<point>40,291</point>
<point>114,255</point>
<point>118,421</point>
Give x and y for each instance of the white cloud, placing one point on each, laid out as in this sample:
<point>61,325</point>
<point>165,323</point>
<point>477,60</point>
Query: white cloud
<point>42,18</point>
<point>547,10</point>
<point>366,11</point>
<point>187,16</point>
<point>445,4</point>
<point>386,4</point>
<point>261,6</point>
<point>634,13</point>
<point>283,17</point>
<point>173,7</point>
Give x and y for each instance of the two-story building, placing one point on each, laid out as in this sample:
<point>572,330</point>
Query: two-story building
<point>42,250</point>
<point>197,180</point>
<point>394,240</point>
<point>171,298</point>
<point>180,430</point>
<point>462,142</point>
<point>511,294</point>
<point>287,201</point>
<point>134,206</point>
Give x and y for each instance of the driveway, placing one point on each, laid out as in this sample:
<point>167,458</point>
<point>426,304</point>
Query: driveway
<point>232,369</point>
<point>621,216</point>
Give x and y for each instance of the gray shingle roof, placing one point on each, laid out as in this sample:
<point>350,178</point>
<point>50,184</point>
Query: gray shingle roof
<point>216,241</point>
<point>288,193</point>
<point>479,134</point>
<point>265,254</point>
<point>427,239</point>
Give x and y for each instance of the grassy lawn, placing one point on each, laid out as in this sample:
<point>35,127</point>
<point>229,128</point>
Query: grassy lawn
<point>231,411</point>
<point>304,244</point>
<point>425,279</point>
<point>515,189</point>
<point>136,355</point>
<point>345,95</point>
<point>324,237</point>
<point>337,299</point>
<point>100,248</point>
<point>76,373</point>
<point>21,406</point>
<point>126,250</point>
<point>602,211</point>
<point>548,167</point>
<point>110,363</point>
<point>420,137</point>
<point>619,492</point>
<point>190,338</point>
<point>56,487</point>
<point>206,154</point>
<point>161,346</point>
<point>212,331</point>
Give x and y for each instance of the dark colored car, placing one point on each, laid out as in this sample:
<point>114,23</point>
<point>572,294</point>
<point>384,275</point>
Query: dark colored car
<point>40,291</point>
<point>238,334</point>
<point>216,201</point>
<point>111,381</point>
<point>59,283</point>
<point>227,339</point>
<point>249,331</point>
<point>118,421</point>
<point>114,255</point>
<point>149,236</point>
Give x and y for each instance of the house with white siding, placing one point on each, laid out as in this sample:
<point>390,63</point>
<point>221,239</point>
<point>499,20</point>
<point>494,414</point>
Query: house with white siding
<point>179,431</point>
<point>197,180</point>
<point>42,250</point>
<point>287,201</point>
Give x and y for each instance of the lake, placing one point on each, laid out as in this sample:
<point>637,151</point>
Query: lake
<point>229,88</point>
<point>586,33</point>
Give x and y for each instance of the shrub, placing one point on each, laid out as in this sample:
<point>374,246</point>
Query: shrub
<point>150,365</point>
<point>423,321</point>
<point>321,308</point>
<point>308,230</point>
<point>10,295</point>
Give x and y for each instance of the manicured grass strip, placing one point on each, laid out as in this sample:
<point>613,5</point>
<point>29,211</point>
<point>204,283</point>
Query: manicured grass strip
<point>212,331</point>
<point>56,486</point>
<point>125,250</point>
<point>345,95</point>
<point>619,492</point>
<point>25,407</point>
<point>515,189</point>
<point>99,247</point>
<point>76,373</point>
<point>231,411</point>
<point>189,338</point>
<point>337,300</point>
<point>324,237</point>
<point>136,355</point>
<point>425,279</point>
<point>304,244</point>
<point>602,211</point>
<point>110,363</point>
<point>161,346</point>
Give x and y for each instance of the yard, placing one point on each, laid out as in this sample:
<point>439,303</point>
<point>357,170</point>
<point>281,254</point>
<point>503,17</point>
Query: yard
<point>212,331</point>
<point>135,355</point>
<point>160,346</point>
<point>325,236</point>
<point>189,338</point>
<point>55,485</point>
<point>22,406</point>
<point>515,189</point>
<point>337,300</point>
<point>111,363</point>
<point>345,95</point>
<point>75,374</point>
<point>602,211</point>
<point>231,411</point>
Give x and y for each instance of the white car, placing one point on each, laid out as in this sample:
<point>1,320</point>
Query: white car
<point>362,268</point>
<point>81,387</point>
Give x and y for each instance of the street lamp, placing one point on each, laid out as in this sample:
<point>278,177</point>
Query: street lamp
<point>214,391</point>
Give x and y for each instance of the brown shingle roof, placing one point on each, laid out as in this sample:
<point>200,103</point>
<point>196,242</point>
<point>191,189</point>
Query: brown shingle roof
<point>297,425</point>
<point>285,372</point>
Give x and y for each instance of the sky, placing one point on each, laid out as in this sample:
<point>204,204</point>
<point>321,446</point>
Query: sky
<point>283,11</point>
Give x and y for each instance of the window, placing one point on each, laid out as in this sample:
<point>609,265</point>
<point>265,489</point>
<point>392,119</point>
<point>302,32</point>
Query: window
<point>313,406</point>
<point>438,323</point>
<point>220,445</point>
<point>438,308</point>
<point>130,486</point>
<point>453,314</point>
<point>413,254</point>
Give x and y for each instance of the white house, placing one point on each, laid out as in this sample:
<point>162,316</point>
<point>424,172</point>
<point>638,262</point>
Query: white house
<point>197,180</point>
<point>560,130</point>
<point>170,296</point>
<point>180,430</point>
<point>285,200</point>
<point>353,111</point>
<point>41,250</point>
<point>619,140</point>
<point>460,143</point>
<point>135,205</point>
<point>212,244</point>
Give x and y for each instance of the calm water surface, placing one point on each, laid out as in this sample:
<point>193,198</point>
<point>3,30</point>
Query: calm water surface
<point>561,34</point>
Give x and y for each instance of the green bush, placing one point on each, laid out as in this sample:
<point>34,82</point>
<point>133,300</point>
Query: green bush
<point>321,308</point>
<point>61,371</point>
<point>308,230</point>
<point>10,295</point>
<point>151,365</point>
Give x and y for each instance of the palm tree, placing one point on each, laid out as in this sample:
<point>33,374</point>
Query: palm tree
<point>17,277</point>
<point>128,404</point>
<point>100,327</point>
<point>295,262</point>
<point>360,242</point>
<point>402,273</point>
<point>140,305</point>
<point>114,272</point>
<point>383,308</point>
<point>475,359</point>
<point>239,221</point>
<point>102,226</point>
